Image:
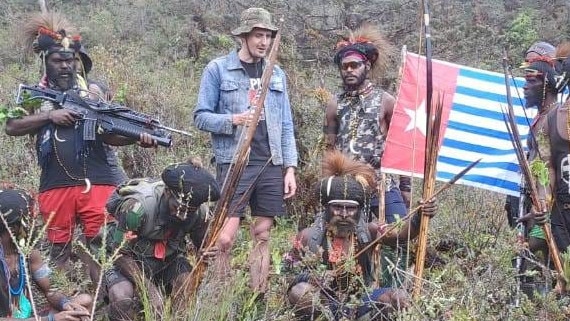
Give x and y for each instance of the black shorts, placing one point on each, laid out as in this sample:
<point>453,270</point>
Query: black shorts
<point>260,188</point>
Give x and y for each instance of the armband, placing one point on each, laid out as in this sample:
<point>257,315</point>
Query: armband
<point>43,272</point>
<point>65,300</point>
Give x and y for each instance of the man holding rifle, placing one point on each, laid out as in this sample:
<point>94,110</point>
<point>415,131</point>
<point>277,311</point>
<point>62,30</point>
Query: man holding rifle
<point>76,178</point>
<point>228,91</point>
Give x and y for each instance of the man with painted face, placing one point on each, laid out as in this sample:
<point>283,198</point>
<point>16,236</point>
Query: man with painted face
<point>228,87</point>
<point>76,177</point>
<point>540,91</point>
<point>555,151</point>
<point>335,239</point>
<point>152,220</point>
<point>538,50</point>
<point>357,120</point>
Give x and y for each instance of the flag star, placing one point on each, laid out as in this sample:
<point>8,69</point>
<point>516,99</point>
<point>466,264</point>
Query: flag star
<point>417,118</point>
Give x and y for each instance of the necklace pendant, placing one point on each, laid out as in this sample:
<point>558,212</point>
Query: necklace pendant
<point>87,187</point>
<point>351,147</point>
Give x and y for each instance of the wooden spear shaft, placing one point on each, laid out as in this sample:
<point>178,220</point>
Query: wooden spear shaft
<point>432,148</point>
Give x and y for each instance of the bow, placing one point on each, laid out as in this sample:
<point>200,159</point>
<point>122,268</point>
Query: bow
<point>433,122</point>
<point>509,118</point>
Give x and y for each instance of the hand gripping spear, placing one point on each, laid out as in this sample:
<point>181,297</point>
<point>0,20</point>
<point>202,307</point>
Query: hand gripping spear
<point>221,210</point>
<point>411,213</point>
<point>509,118</point>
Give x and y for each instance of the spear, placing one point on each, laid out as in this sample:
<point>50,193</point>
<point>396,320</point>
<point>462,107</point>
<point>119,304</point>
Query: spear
<point>392,227</point>
<point>193,281</point>
<point>512,128</point>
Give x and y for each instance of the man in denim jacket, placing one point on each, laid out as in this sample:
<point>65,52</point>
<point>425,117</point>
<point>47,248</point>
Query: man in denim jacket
<point>227,88</point>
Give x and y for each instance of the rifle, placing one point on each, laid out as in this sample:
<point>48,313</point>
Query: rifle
<point>520,238</point>
<point>101,116</point>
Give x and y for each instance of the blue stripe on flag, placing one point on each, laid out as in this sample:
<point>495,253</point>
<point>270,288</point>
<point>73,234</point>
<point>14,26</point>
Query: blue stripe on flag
<point>504,135</point>
<point>490,77</point>
<point>480,179</point>
<point>482,75</point>
<point>471,110</point>
<point>463,163</point>
<point>501,99</point>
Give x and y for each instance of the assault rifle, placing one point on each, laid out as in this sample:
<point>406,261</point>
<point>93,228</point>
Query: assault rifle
<point>519,262</point>
<point>101,116</point>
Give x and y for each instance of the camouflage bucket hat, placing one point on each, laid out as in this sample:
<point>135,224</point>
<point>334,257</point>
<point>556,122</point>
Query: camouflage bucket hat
<point>254,18</point>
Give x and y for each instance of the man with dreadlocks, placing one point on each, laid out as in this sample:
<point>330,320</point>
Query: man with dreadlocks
<point>16,207</point>
<point>76,177</point>
<point>152,220</point>
<point>346,289</point>
<point>358,119</point>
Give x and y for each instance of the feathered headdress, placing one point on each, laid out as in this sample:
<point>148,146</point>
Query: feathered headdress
<point>368,41</point>
<point>45,33</point>
<point>345,179</point>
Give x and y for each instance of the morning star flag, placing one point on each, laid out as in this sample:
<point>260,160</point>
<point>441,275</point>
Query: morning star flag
<point>472,125</point>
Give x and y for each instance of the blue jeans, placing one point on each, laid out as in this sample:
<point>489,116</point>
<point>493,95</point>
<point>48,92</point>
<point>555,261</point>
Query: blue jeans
<point>394,205</point>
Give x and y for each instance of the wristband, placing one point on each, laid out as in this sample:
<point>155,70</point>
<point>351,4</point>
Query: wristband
<point>65,300</point>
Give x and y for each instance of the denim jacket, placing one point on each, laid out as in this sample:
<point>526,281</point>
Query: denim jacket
<point>223,92</point>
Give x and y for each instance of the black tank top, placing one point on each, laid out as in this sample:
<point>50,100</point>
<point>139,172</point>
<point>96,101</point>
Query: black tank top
<point>560,154</point>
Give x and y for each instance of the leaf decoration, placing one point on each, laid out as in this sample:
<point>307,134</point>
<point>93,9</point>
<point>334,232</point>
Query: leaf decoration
<point>539,169</point>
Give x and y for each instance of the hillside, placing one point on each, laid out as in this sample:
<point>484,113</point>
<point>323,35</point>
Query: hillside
<point>151,54</point>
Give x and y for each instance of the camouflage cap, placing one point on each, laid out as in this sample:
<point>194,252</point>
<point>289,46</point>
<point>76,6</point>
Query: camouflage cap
<point>542,48</point>
<point>254,18</point>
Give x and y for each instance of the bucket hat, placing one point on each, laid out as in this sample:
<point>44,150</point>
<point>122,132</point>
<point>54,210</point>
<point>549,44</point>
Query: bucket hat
<point>255,18</point>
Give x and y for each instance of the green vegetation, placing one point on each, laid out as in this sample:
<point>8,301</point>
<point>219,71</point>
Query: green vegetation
<point>151,54</point>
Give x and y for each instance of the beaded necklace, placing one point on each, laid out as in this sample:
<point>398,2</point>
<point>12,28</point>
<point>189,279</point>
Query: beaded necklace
<point>21,278</point>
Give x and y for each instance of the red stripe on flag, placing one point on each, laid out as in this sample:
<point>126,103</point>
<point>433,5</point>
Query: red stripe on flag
<point>405,143</point>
